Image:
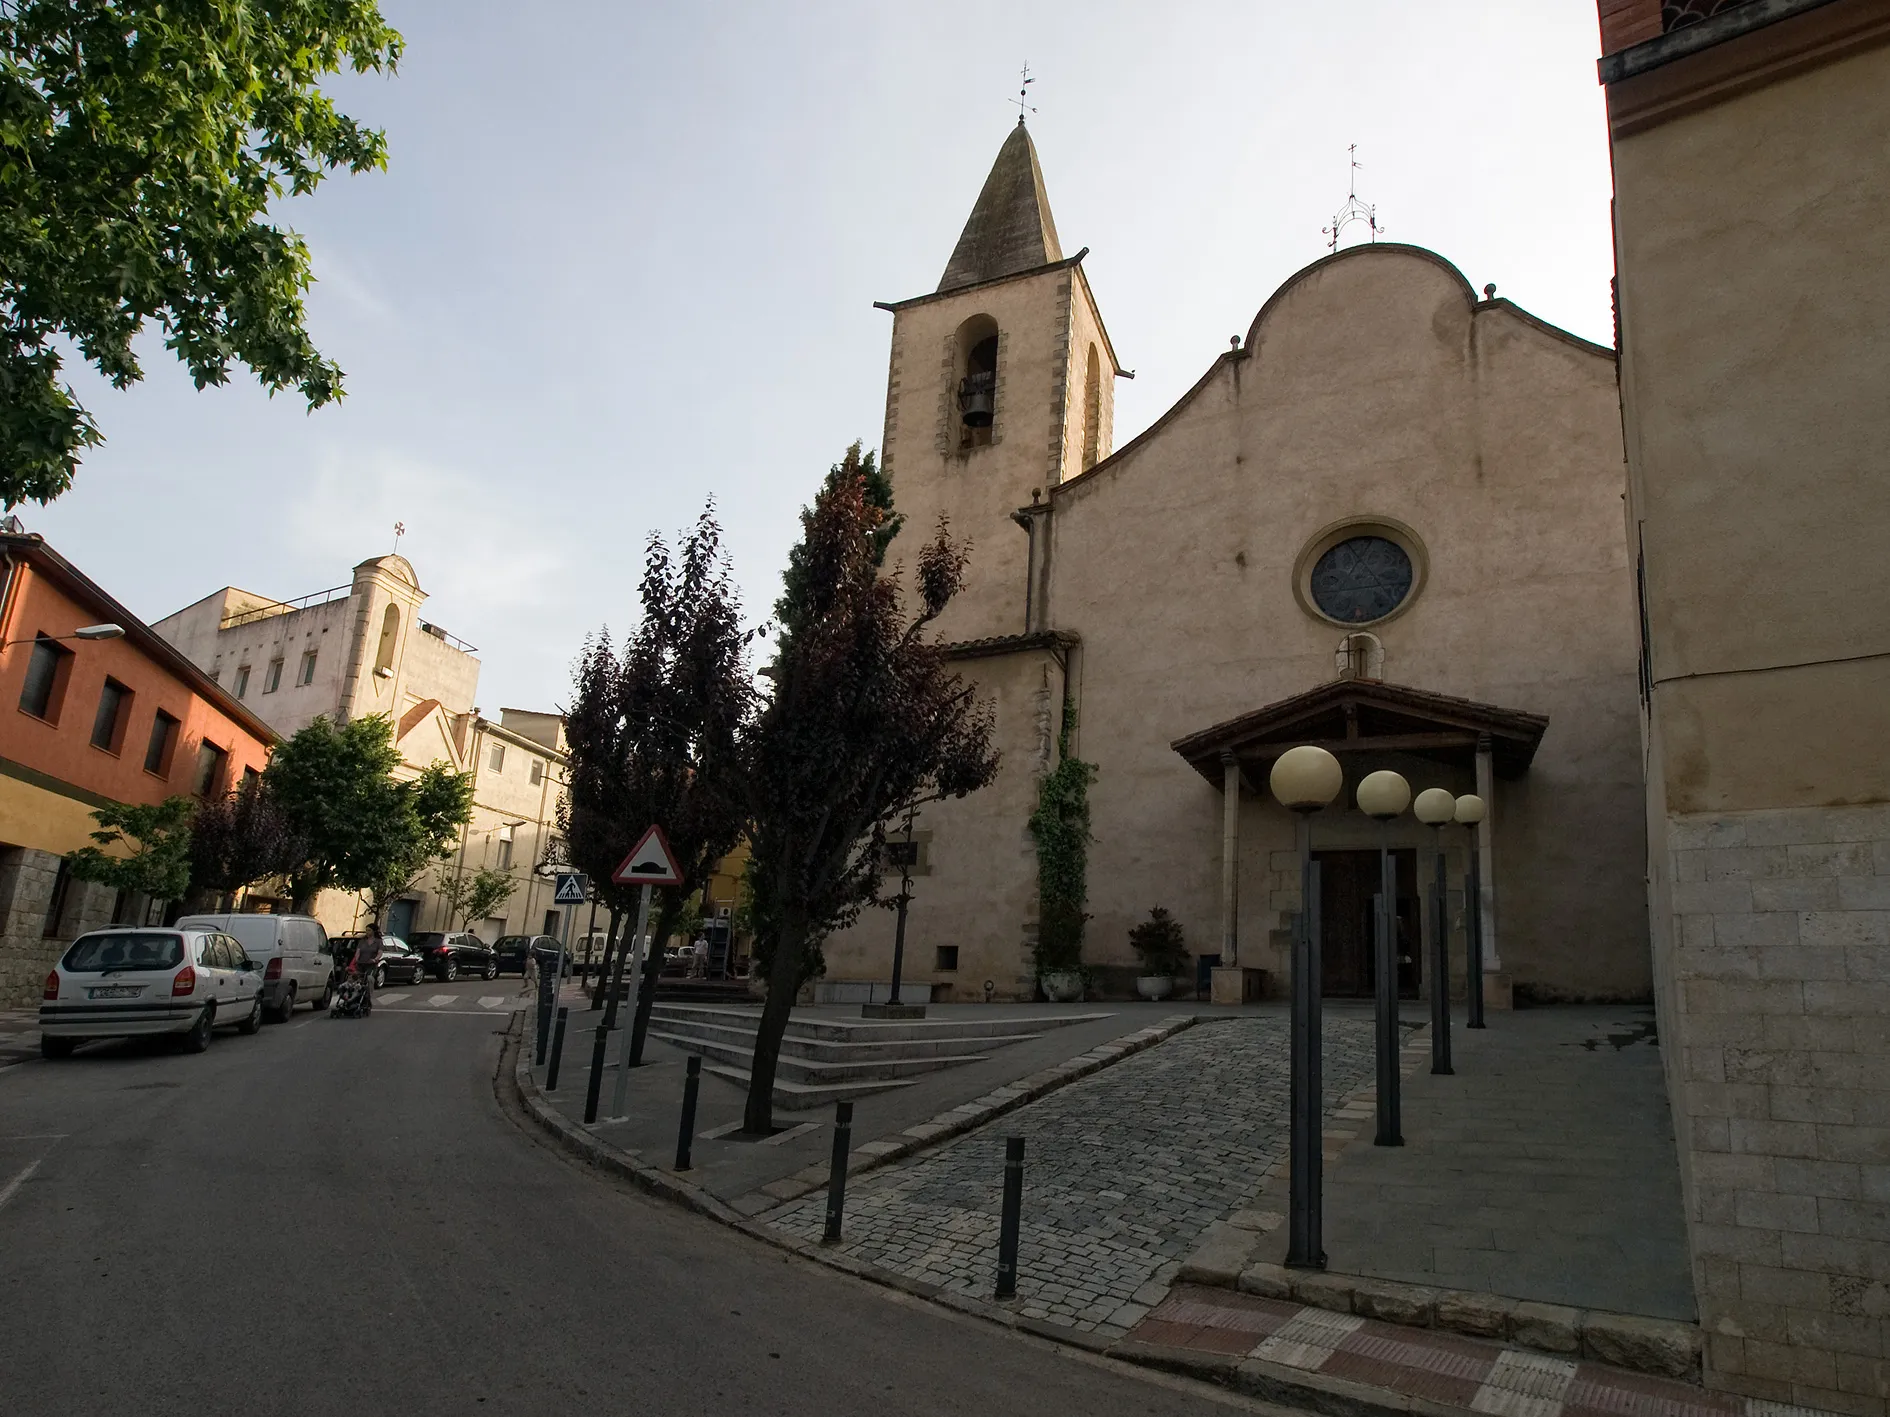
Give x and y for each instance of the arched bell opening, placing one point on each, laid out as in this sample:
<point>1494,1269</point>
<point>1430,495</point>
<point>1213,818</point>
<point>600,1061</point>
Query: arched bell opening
<point>977,380</point>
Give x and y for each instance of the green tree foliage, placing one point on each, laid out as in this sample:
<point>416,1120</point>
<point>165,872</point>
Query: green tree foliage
<point>474,895</point>
<point>1160,943</point>
<point>865,723</point>
<point>654,734</point>
<point>363,828</point>
<point>142,143</point>
<point>1060,828</point>
<point>876,489</point>
<point>241,838</point>
<point>140,848</point>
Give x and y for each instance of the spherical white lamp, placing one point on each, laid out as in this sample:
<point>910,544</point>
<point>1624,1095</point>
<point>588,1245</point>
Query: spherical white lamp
<point>1469,810</point>
<point>1383,795</point>
<point>1306,778</point>
<point>1435,807</point>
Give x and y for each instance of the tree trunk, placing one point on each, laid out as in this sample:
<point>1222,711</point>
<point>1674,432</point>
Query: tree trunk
<point>652,971</point>
<point>784,982</point>
<point>603,965</point>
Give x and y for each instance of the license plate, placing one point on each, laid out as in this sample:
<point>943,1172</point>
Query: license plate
<point>117,991</point>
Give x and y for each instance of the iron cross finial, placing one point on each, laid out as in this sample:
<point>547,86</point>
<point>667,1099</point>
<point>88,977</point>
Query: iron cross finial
<point>1023,90</point>
<point>400,530</point>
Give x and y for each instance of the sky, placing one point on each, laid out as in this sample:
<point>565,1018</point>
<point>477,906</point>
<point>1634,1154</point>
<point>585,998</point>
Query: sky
<point>624,258</point>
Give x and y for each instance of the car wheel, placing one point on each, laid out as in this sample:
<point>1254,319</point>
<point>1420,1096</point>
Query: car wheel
<point>198,1038</point>
<point>380,976</point>
<point>252,1023</point>
<point>281,1012</point>
<point>451,972</point>
<point>492,970</point>
<point>322,999</point>
<point>56,1047</point>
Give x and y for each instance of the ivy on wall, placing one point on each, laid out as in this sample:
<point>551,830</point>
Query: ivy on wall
<point>1060,827</point>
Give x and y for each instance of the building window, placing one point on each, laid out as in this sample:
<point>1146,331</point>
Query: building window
<point>273,679</point>
<point>505,853</point>
<point>308,668</point>
<point>977,364</point>
<point>390,637</point>
<point>902,853</point>
<point>1360,572</point>
<point>210,760</point>
<point>1092,411</point>
<point>538,772</point>
<point>251,780</point>
<point>56,907</point>
<point>108,724</point>
<point>497,759</point>
<point>242,681</point>
<point>157,754</point>
<point>947,960</point>
<point>46,674</point>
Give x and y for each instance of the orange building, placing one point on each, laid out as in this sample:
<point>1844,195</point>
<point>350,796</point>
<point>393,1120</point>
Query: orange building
<point>86,721</point>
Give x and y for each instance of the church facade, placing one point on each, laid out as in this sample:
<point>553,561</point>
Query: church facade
<point>1388,520</point>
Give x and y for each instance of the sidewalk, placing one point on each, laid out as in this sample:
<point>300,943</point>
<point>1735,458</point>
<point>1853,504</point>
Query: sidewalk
<point>19,1036</point>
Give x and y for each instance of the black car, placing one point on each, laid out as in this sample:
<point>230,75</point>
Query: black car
<point>451,954</point>
<point>512,951</point>
<point>399,964</point>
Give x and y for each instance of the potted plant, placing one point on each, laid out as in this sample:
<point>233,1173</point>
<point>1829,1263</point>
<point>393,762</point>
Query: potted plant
<point>1159,942</point>
<point>1060,971</point>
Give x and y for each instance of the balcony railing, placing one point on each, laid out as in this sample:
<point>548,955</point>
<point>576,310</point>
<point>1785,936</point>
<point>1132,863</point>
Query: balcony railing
<point>285,607</point>
<point>1677,14</point>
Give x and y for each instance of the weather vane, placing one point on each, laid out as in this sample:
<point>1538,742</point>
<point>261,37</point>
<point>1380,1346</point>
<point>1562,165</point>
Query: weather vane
<point>400,530</point>
<point>1353,210</point>
<point>1023,91</point>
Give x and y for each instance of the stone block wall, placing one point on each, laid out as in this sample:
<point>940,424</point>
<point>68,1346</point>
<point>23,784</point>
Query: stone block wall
<point>1780,1012</point>
<point>27,952</point>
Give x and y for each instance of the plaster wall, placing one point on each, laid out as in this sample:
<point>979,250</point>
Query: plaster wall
<point>1372,386</point>
<point>979,487</point>
<point>977,884</point>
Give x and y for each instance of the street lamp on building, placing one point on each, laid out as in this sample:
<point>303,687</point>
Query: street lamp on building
<point>1305,780</point>
<point>1383,796</point>
<point>1437,809</point>
<point>893,1008</point>
<point>84,632</point>
<point>1469,814</point>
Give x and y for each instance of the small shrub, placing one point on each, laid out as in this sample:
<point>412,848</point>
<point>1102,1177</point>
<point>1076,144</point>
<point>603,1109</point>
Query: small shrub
<point>1160,943</point>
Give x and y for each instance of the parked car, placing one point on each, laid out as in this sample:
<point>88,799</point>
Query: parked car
<point>130,980</point>
<point>399,963</point>
<point>292,951</point>
<point>447,954</point>
<point>515,949</point>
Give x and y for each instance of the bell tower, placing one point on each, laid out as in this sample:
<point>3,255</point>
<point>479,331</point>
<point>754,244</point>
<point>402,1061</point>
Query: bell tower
<point>1001,385</point>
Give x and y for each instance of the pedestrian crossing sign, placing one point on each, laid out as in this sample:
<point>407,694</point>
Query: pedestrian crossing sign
<point>650,863</point>
<point>570,889</point>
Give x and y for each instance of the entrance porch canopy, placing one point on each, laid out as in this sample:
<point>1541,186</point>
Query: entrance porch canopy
<point>1363,716</point>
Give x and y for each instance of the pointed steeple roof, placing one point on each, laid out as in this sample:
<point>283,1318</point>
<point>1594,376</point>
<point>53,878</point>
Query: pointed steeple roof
<point>1010,229</point>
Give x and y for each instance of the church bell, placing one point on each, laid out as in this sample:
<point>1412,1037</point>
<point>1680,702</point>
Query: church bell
<point>977,399</point>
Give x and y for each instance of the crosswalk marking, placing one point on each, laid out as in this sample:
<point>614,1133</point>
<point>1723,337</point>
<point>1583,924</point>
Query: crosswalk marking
<point>491,1001</point>
<point>441,1000</point>
<point>387,998</point>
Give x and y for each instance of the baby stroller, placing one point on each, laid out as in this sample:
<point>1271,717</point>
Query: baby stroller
<point>351,997</point>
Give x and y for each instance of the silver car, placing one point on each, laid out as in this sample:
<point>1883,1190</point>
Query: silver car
<point>132,980</point>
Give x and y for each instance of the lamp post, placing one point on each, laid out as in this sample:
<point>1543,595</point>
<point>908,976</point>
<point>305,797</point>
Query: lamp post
<point>892,1008</point>
<point>1383,796</point>
<point>84,632</point>
<point>1436,808</point>
<point>1469,813</point>
<point>1305,780</point>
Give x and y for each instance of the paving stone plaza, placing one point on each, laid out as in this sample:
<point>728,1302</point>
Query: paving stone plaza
<point>1122,1173</point>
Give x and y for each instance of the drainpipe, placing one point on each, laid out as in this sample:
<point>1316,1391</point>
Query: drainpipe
<point>6,592</point>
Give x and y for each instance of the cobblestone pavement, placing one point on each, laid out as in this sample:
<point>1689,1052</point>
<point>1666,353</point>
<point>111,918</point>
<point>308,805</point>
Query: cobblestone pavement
<point>1122,1173</point>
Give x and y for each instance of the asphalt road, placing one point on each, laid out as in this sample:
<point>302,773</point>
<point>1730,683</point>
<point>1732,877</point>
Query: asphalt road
<point>338,1217</point>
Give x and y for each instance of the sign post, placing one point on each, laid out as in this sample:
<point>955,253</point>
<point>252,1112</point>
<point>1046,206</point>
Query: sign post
<point>570,892</point>
<point>650,864</point>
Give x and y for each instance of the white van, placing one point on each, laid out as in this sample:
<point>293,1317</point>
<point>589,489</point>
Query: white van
<point>292,950</point>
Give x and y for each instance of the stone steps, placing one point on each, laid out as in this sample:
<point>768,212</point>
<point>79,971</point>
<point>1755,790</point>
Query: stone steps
<point>805,1097</point>
<point>860,1030</point>
<point>808,1070</point>
<point>683,1032</point>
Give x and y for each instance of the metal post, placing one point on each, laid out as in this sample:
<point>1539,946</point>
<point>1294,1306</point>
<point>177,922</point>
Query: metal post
<point>590,933</point>
<point>636,981</point>
<point>1440,966</point>
<point>692,1081</point>
<point>837,1174</point>
<point>1390,1128</point>
<point>564,935</point>
<point>596,1083</point>
<point>905,898</point>
<point>547,997</point>
<point>1011,1218</point>
<point>557,1051</point>
<point>1473,926</point>
<point>1305,1174</point>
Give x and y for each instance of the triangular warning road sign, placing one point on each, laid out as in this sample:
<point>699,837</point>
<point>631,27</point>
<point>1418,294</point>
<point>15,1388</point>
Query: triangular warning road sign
<point>650,863</point>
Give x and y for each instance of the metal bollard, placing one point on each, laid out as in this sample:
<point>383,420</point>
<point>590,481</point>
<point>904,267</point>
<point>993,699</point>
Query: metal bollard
<point>557,1051</point>
<point>547,997</point>
<point>686,1132</point>
<point>596,1084</point>
<point>837,1177</point>
<point>1013,1214</point>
